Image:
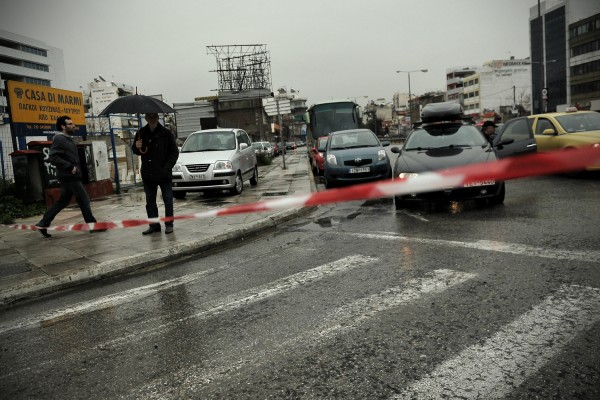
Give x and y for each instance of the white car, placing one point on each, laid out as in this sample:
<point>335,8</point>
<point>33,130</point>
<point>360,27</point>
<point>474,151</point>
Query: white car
<point>215,159</point>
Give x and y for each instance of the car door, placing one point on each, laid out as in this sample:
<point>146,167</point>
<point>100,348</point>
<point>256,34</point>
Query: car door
<point>520,130</point>
<point>248,155</point>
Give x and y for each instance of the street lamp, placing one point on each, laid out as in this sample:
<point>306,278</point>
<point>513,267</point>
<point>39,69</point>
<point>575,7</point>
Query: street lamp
<point>410,107</point>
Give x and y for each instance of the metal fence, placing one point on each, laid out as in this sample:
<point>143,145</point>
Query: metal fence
<point>123,164</point>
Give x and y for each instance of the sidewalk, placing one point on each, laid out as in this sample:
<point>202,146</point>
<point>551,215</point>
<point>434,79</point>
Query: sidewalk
<point>31,265</point>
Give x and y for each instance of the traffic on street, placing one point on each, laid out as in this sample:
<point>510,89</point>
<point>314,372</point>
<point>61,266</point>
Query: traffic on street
<point>354,300</point>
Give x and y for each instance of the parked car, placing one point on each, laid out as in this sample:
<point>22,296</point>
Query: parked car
<point>355,156</point>
<point>317,156</point>
<point>215,159</point>
<point>270,149</point>
<point>278,149</point>
<point>262,149</point>
<point>443,141</point>
<point>290,145</point>
<point>565,130</point>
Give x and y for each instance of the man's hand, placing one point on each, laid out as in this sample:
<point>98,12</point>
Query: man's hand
<point>138,143</point>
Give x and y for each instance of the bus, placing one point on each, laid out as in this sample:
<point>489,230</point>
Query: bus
<point>330,116</point>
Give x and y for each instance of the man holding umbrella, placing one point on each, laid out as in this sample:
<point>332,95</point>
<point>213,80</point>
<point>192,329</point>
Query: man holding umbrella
<point>158,149</point>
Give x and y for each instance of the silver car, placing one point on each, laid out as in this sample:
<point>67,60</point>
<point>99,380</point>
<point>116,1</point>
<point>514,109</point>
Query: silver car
<point>215,159</point>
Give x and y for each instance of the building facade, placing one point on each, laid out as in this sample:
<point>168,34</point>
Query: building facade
<point>28,60</point>
<point>565,54</point>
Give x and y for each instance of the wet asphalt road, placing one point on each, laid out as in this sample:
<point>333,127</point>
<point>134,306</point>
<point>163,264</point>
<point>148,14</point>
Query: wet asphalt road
<point>355,301</point>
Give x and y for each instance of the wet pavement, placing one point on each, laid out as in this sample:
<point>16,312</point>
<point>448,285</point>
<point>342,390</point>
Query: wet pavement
<point>31,265</point>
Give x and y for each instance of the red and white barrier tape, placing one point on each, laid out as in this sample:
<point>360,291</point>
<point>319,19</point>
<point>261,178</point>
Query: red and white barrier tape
<point>503,170</point>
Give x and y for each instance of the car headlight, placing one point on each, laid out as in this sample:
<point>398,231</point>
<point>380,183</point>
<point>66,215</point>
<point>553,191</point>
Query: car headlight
<point>407,175</point>
<point>223,165</point>
<point>331,159</point>
<point>177,168</point>
<point>381,154</point>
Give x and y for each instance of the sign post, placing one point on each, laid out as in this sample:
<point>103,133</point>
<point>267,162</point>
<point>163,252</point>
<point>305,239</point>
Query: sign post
<point>276,107</point>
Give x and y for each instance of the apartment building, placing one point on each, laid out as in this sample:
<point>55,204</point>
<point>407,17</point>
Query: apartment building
<point>29,60</point>
<point>565,54</point>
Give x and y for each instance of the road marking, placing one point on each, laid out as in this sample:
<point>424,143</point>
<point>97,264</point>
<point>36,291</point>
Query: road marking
<point>412,214</point>
<point>490,245</point>
<point>341,320</point>
<point>492,370</point>
<point>254,295</point>
<point>49,317</point>
<point>232,302</point>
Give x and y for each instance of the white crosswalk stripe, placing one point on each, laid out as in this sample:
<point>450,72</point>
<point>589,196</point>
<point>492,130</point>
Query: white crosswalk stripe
<point>517,351</point>
<point>339,321</point>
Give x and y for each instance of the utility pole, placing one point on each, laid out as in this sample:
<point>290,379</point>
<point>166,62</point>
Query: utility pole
<point>280,131</point>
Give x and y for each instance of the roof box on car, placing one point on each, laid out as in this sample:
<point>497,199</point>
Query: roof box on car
<point>441,112</point>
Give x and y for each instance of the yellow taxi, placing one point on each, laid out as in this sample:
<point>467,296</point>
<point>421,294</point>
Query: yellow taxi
<point>565,130</point>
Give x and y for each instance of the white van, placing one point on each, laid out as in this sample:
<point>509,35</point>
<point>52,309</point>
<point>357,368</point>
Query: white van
<point>215,159</point>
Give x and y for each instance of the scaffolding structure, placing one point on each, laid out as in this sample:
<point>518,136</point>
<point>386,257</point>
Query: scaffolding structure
<point>242,67</point>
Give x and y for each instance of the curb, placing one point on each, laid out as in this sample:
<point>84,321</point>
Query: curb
<point>49,284</point>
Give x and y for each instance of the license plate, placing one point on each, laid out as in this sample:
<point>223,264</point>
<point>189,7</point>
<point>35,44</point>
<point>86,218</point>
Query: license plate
<point>196,176</point>
<point>359,170</point>
<point>481,183</point>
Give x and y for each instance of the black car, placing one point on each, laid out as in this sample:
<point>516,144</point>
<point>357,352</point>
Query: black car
<point>515,138</point>
<point>443,140</point>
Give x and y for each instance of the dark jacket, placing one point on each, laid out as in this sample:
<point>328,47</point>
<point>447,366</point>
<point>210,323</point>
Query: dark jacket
<point>160,156</point>
<point>64,156</point>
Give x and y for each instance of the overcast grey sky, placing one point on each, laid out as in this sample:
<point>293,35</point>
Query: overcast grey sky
<point>323,48</point>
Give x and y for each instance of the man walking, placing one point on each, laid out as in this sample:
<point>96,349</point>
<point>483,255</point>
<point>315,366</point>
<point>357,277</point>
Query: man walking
<point>65,157</point>
<point>159,153</point>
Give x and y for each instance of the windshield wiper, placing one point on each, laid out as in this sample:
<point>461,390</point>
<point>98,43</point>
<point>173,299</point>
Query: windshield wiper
<point>421,148</point>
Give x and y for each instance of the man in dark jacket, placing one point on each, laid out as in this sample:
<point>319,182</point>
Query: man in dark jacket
<point>159,153</point>
<point>489,130</point>
<point>65,157</point>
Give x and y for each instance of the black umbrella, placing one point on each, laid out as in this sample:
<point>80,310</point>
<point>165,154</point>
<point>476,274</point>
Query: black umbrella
<point>136,104</point>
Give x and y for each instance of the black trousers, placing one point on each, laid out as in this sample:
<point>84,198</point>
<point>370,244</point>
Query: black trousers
<point>68,189</point>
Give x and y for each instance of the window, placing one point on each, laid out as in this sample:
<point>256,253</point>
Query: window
<point>34,50</point>
<point>36,81</point>
<point>32,65</point>
<point>517,129</point>
<point>542,125</point>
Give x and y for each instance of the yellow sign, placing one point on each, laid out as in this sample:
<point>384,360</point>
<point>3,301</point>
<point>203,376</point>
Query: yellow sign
<point>36,104</point>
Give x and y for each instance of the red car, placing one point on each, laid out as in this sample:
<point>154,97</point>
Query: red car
<point>317,156</point>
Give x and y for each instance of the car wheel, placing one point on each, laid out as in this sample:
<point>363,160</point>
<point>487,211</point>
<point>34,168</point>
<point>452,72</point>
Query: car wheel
<point>254,179</point>
<point>329,185</point>
<point>238,188</point>
<point>179,195</point>
<point>499,198</point>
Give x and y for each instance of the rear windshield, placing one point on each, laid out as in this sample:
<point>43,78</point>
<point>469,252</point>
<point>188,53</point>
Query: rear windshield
<point>445,135</point>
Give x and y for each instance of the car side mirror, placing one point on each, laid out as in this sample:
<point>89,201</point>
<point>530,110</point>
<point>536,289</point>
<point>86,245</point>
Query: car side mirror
<point>549,132</point>
<point>385,143</point>
<point>396,150</point>
<point>243,146</point>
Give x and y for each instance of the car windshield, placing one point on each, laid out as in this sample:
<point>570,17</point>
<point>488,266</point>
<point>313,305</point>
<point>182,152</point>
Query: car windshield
<point>209,141</point>
<point>353,140</point>
<point>580,122</point>
<point>444,136</point>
